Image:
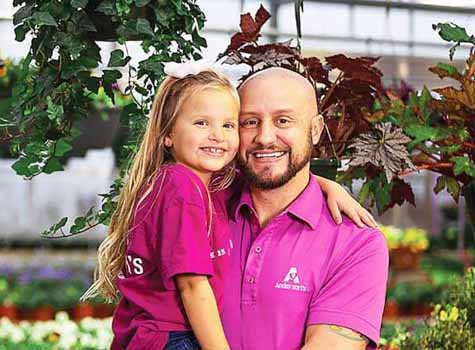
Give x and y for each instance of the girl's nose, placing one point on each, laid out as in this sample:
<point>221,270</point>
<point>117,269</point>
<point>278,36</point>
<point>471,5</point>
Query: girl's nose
<point>216,134</point>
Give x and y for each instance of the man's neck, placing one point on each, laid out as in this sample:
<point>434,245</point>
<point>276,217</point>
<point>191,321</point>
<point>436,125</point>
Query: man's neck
<point>270,203</point>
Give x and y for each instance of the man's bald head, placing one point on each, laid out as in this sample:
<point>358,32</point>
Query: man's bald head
<point>293,84</point>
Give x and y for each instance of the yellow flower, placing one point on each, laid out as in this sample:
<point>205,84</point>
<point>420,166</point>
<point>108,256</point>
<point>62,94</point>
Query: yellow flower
<point>454,314</point>
<point>443,315</point>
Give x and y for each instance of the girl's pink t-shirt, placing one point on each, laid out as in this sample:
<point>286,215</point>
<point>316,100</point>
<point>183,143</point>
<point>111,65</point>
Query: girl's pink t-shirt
<point>169,236</point>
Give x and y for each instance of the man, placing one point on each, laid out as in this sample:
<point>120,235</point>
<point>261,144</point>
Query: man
<point>298,280</point>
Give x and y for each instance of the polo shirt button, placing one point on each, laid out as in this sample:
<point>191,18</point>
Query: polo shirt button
<point>258,249</point>
<point>251,280</point>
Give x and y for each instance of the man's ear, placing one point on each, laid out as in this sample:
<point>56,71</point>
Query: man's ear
<point>317,127</point>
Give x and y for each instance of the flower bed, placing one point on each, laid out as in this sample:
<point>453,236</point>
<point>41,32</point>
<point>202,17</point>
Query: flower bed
<point>36,293</point>
<point>60,334</point>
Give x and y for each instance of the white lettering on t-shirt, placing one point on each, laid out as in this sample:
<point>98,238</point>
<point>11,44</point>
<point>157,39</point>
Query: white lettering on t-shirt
<point>134,265</point>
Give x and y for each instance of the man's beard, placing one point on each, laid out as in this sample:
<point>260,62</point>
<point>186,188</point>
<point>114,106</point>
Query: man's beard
<point>269,183</point>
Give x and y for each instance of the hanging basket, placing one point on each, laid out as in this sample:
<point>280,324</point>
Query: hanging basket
<point>107,27</point>
<point>326,168</point>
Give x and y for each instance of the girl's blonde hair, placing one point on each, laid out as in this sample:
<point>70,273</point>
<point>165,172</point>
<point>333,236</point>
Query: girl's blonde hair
<point>151,155</point>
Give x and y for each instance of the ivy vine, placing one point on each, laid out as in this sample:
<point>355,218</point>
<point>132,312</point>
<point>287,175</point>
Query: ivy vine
<point>63,69</point>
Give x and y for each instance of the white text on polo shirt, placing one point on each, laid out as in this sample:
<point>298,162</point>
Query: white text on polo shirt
<point>291,281</point>
<point>134,265</point>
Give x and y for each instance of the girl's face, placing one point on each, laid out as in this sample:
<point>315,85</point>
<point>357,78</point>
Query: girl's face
<point>205,136</point>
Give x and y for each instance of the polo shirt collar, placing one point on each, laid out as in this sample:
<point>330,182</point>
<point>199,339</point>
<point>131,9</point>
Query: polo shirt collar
<point>307,207</point>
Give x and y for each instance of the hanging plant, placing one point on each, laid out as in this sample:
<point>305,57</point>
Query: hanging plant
<point>63,70</point>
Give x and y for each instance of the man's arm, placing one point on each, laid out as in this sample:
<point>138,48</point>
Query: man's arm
<point>322,337</point>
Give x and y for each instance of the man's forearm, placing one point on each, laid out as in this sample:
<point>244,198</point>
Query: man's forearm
<point>202,312</point>
<point>323,337</point>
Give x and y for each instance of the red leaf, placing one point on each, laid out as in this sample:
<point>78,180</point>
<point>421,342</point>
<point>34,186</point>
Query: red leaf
<point>248,25</point>
<point>358,68</point>
<point>261,17</point>
<point>401,192</point>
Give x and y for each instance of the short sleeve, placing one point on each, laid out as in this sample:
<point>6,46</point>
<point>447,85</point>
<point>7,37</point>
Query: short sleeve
<point>354,293</point>
<point>184,246</point>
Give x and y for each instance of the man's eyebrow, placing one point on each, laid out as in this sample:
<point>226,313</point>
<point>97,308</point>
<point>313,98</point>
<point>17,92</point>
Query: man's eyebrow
<point>276,112</point>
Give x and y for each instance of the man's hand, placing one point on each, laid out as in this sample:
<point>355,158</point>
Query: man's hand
<point>323,337</point>
<point>340,201</point>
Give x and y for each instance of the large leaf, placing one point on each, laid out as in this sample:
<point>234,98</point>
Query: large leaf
<point>452,32</point>
<point>117,59</point>
<point>385,148</point>
<point>452,186</point>
<point>465,96</point>
<point>463,165</point>
<point>43,18</point>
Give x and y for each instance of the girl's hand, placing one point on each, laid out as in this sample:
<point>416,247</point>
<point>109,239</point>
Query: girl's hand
<point>340,201</point>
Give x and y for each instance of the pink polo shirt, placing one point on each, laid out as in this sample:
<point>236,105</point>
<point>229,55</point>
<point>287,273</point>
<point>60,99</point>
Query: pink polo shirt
<point>168,236</point>
<point>300,270</point>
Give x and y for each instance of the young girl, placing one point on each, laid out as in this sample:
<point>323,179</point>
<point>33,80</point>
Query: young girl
<point>168,245</point>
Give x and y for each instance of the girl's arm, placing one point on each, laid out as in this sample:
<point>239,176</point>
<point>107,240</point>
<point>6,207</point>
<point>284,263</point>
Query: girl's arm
<point>340,201</point>
<point>202,311</point>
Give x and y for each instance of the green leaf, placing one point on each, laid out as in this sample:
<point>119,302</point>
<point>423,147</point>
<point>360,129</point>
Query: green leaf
<point>364,192</point>
<point>79,4</point>
<point>43,18</point>
<point>54,111</point>
<point>117,59</point>
<point>20,33</point>
<point>420,132</point>
<point>107,7</point>
<point>463,165</point>
<point>199,40</point>
<point>60,224</point>
<point>79,224</point>
<point>143,26</point>
<point>52,165</point>
<point>453,187</point>
<point>93,84</point>
<point>22,166</point>
<point>111,76</point>
<point>452,32</point>
<point>141,3</point>
<point>451,70</point>
<point>62,147</point>
<point>23,13</point>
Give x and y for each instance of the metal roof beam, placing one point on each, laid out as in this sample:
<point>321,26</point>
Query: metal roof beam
<point>391,5</point>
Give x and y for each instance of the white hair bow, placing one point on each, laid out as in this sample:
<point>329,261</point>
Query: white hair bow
<point>181,70</point>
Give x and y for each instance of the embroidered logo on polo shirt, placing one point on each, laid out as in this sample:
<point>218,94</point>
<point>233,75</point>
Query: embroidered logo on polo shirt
<point>291,281</point>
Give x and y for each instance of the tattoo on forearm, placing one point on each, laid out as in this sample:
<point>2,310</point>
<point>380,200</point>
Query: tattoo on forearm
<point>348,333</point>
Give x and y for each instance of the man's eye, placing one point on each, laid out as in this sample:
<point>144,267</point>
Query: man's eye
<point>283,121</point>
<point>249,123</point>
<point>201,123</point>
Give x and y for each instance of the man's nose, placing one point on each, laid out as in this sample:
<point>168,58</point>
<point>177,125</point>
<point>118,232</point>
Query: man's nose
<point>266,134</point>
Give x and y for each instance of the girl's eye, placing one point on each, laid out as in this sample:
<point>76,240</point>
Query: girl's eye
<point>229,125</point>
<point>201,123</point>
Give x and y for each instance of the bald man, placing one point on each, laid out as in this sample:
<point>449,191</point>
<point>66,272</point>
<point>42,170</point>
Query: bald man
<point>298,280</point>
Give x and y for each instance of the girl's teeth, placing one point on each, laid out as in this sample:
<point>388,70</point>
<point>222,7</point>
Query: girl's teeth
<point>213,150</point>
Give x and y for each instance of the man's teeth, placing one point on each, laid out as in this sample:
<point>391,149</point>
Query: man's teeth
<point>213,150</point>
<point>269,155</point>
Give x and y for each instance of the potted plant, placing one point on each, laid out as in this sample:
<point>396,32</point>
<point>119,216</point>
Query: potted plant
<point>7,307</point>
<point>33,301</point>
<point>345,87</point>
<point>405,246</point>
